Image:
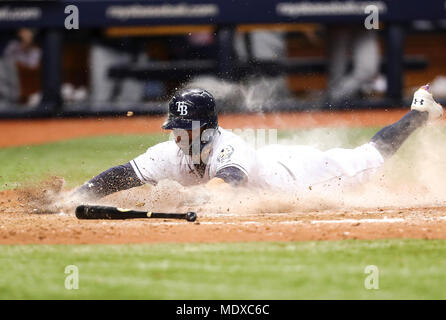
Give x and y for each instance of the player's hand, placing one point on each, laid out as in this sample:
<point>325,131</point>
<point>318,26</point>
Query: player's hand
<point>218,184</point>
<point>202,194</point>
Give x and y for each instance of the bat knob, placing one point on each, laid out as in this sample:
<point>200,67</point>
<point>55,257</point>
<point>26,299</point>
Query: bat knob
<point>191,216</point>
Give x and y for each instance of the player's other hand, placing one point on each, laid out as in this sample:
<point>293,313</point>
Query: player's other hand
<point>203,194</point>
<point>218,184</point>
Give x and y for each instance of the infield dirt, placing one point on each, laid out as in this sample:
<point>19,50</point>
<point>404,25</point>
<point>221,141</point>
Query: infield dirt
<point>19,226</point>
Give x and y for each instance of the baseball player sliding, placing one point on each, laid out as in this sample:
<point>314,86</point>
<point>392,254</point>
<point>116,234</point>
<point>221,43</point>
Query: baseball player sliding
<point>204,153</point>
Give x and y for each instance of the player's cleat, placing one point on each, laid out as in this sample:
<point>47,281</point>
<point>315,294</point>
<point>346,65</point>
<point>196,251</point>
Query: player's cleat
<point>423,101</point>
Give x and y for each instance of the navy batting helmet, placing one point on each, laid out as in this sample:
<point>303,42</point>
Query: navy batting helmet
<point>191,105</point>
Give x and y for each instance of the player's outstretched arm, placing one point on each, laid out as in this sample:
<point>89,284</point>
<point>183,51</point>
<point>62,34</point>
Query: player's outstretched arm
<point>389,139</point>
<point>115,179</point>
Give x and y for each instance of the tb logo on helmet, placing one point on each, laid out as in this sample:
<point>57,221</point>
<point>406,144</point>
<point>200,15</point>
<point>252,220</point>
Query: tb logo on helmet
<point>182,108</point>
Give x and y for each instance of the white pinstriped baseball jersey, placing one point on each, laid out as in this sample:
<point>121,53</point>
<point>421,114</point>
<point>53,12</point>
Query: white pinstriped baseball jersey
<point>279,167</point>
<point>167,161</point>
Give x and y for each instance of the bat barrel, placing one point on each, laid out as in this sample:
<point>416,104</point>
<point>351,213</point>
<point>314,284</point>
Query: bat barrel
<point>102,212</point>
<point>113,213</point>
<point>190,216</point>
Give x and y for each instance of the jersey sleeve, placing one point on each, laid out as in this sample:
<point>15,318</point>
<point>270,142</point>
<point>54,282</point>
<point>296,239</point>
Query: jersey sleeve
<point>157,163</point>
<point>234,153</point>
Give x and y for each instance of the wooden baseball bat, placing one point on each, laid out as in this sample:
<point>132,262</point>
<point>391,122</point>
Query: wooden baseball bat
<point>114,213</point>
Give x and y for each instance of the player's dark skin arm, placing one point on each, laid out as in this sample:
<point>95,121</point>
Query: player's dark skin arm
<point>232,175</point>
<point>123,177</point>
<point>115,179</point>
<point>389,139</point>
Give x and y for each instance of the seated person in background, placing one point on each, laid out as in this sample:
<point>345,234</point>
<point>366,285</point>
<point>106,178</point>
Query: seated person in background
<point>106,52</point>
<point>19,52</point>
<point>24,51</point>
<point>362,46</point>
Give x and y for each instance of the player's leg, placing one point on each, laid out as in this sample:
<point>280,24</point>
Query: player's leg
<point>344,167</point>
<point>365,66</point>
<point>389,139</point>
<point>339,41</point>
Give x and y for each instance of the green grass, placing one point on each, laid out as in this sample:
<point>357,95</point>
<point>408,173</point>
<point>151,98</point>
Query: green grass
<point>76,160</point>
<point>408,269</point>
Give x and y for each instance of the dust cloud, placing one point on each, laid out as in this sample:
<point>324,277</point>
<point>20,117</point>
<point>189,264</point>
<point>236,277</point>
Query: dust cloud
<point>414,177</point>
<point>257,94</point>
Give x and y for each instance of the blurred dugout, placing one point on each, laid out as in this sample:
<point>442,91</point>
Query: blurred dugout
<point>250,60</point>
